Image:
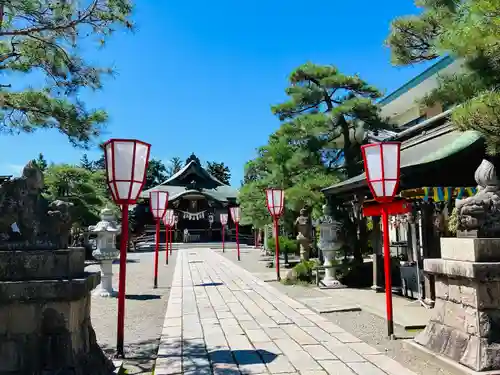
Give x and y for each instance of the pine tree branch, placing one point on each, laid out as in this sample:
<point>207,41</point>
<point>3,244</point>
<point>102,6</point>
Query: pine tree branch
<point>83,18</point>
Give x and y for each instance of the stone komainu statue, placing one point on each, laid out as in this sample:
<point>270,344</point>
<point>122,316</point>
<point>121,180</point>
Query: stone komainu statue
<point>304,227</point>
<point>27,219</point>
<point>479,215</point>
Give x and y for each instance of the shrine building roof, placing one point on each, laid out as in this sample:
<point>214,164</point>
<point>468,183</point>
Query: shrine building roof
<point>193,179</point>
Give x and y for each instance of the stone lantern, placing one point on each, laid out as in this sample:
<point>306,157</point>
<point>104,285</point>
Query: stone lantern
<point>330,242</point>
<point>106,251</point>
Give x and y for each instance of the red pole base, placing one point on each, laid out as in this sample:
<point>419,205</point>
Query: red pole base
<point>387,270</point>
<point>167,242</point>
<point>157,251</point>
<point>277,244</point>
<point>237,242</point>
<point>171,244</point>
<point>120,331</point>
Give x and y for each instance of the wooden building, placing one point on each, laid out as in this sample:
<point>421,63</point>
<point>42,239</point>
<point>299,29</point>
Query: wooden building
<point>197,198</point>
<point>437,166</point>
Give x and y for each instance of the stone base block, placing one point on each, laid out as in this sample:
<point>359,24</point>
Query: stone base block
<point>444,362</point>
<point>42,264</point>
<point>45,325</point>
<point>461,269</point>
<point>471,249</point>
<point>471,351</point>
<point>465,326</point>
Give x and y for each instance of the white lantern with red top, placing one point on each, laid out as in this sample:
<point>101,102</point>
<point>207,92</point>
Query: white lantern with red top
<point>275,201</point>
<point>158,202</point>
<point>169,218</point>
<point>223,219</point>
<point>235,214</point>
<point>126,165</point>
<point>382,168</point>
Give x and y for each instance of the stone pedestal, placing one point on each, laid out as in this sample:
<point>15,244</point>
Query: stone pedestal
<point>45,325</point>
<point>106,258</point>
<point>305,247</point>
<point>466,322</point>
<point>105,288</point>
<point>378,273</point>
<point>330,280</point>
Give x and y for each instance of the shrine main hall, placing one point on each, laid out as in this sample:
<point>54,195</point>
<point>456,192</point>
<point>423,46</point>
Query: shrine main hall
<point>197,198</point>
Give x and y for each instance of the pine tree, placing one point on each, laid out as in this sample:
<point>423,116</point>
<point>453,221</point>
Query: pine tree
<point>220,171</point>
<point>326,103</point>
<point>85,163</point>
<point>45,36</point>
<point>156,173</point>
<point>174,166</point>
<point>41,162</point>
<point>468,30</point>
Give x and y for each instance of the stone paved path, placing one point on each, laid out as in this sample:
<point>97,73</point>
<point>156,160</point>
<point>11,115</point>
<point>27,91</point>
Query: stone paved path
<point>221,319</point>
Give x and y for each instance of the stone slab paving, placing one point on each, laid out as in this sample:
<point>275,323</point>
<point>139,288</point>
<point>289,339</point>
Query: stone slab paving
<point>144,311</point>
<point>325,305</point>
<point>221,319</point>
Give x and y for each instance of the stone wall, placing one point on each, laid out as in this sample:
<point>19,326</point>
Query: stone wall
<point>466,322</point>
<point>45,324</point>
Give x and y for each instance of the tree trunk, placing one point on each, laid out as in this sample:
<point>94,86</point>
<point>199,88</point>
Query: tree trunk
<point>362,247</point>
<point>349,156</point>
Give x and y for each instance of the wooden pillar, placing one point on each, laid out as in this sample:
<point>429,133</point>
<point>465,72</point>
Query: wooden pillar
<point>426,222</point>
<point>413,226</point>
<point>378,262</point>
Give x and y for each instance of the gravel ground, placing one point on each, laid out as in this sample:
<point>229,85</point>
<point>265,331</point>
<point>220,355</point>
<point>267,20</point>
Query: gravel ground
<point>366,326</point>
<point>144,310</point>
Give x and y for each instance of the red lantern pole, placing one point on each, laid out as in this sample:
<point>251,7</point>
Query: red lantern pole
<point>167,243</point>
<point>237,241</point>
<point>171,239</point>
<point>158,201</point>
<point>126,163</point>
<point>382,169</point>
<point>120,332</point>
<point>387,269</point>
<point>169,221</point>
<point>223,222</point>
<point>277,244</point>
<point>223,249</point>
<point>275,204</point>
<point>157,250</point>
<point>236,214</point>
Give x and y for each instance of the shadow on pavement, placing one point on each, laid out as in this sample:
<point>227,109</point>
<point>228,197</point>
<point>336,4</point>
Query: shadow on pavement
<point>210,284</point>
<point>140,356</point>
<point>117,261</point>
<point>142,297</point>
<point>194,357</point>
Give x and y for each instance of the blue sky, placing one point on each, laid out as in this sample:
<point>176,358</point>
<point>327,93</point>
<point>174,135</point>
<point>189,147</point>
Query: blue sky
<point>200,76</point>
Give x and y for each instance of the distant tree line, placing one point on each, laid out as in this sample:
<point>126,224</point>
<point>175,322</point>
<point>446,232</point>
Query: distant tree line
<point>84,183</point>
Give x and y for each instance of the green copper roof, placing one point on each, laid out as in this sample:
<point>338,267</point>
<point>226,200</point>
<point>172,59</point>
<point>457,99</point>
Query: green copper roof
<point>414,82</point>
<point>179,184</point>
<point>434,145</point>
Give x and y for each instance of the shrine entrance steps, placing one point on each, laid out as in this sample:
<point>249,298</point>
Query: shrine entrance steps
<point>148,246</point>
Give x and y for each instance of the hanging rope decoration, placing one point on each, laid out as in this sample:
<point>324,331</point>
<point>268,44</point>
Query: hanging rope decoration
<point>193,215</point>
